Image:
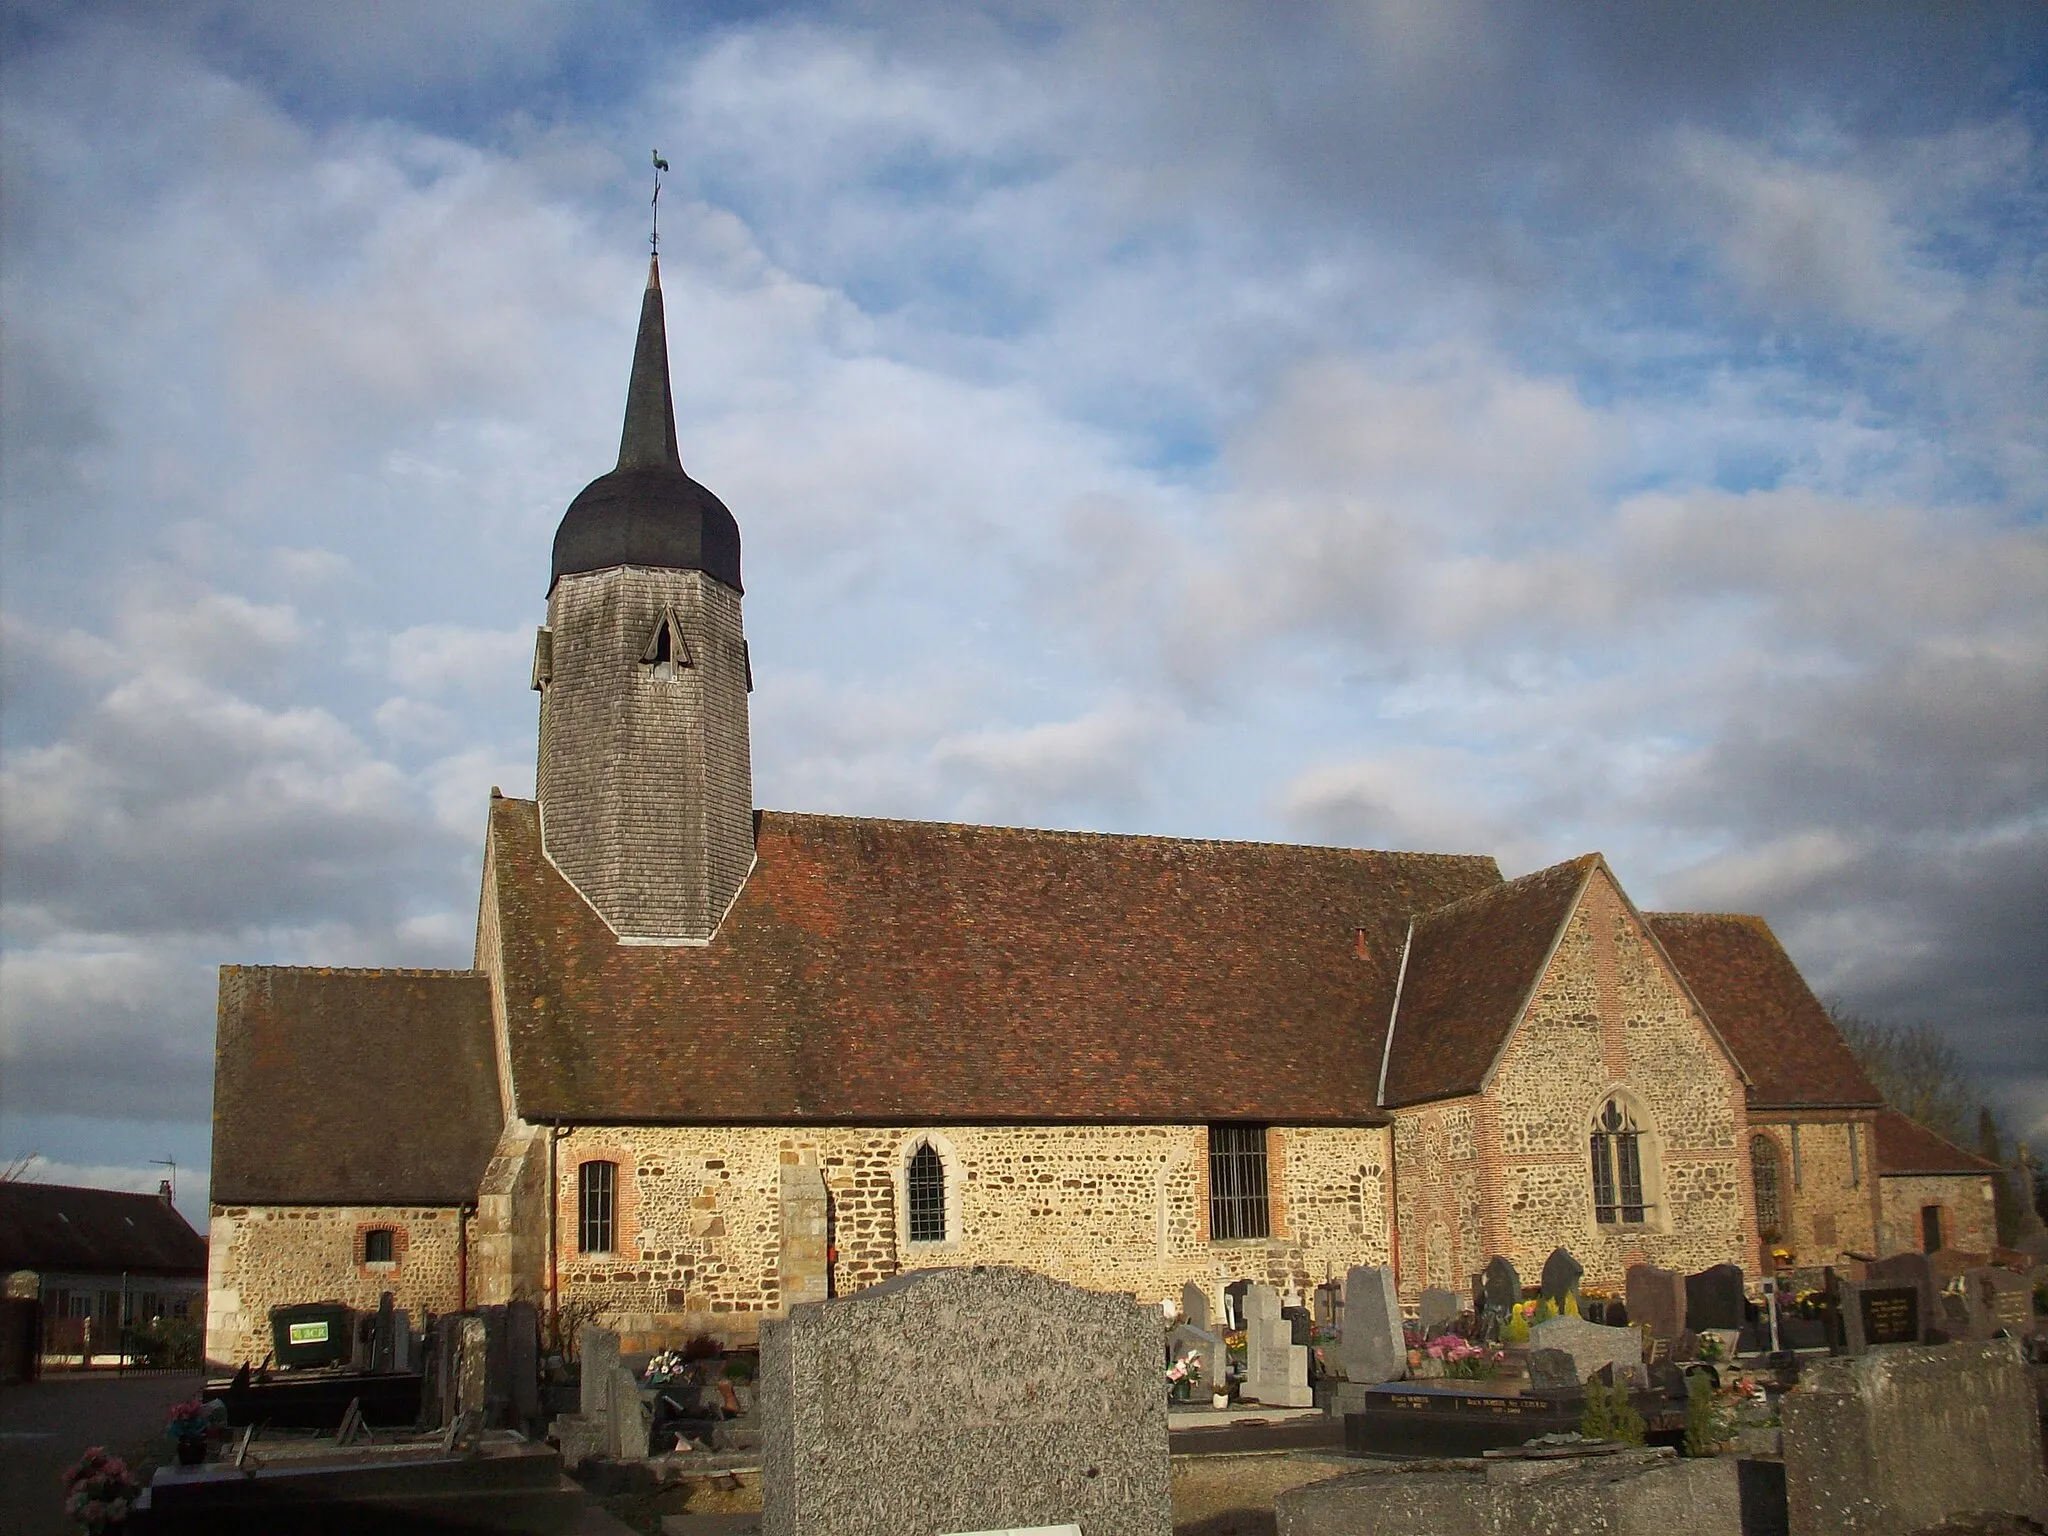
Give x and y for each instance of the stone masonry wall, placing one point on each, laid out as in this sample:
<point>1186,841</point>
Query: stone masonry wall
<point>645,782</point>
<point>1969,1217</point>
<point>1442,1225</point>
<point>1827,1193</point>
<point>1609,1012</point>
<point>1115,1208</point>
<point>261,1257</point>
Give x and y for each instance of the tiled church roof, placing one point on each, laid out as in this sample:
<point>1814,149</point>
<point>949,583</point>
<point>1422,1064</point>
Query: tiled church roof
<point>1471,967</point>
<point>1764,1009</point>
<point>891,971</point>
<point>1907,1147</point>
<point>337,1087</point>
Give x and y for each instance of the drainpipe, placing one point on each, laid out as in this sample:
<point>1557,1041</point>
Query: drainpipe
<point>555,1134</point>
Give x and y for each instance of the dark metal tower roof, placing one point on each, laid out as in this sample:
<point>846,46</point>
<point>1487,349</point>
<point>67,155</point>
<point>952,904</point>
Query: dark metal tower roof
<point>647,511</point>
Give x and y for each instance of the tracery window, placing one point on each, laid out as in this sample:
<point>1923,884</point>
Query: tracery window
<point>1763,1165</point>
<point>1618,1166</point>
<point>925,1187</point>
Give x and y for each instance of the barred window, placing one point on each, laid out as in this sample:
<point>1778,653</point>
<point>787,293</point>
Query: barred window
<point>1617,1166</point>
<point>1237,1182</point>
<point>926,1187</point>
<point>596,1185</point>
<point>378,1246</point>
<point>1763,1166</point>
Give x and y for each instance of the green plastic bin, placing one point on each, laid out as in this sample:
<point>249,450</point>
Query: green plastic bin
<point>312,1333</point>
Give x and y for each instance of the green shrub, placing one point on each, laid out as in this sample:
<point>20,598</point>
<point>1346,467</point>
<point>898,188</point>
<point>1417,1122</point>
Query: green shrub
<point>164,1343</point>
<point>1706,1423</point>
<point>742,1367</point>
<point>1609,1415</point>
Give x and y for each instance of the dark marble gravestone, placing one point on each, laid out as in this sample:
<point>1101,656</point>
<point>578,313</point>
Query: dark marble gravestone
<point>1656,1300</point>
<point>1882,1314</point>
<point>1996,1301</point>
<point>1916,1270</point>
<point>1304,1323</point>
<point>1502,1285</point>
<point>1561,1274</point>
<point>1714,1299</point>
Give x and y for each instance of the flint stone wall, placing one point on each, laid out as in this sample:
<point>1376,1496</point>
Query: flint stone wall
<point>1904,1437</point>
<point>1633,1493</point>
<point>965,1400</point>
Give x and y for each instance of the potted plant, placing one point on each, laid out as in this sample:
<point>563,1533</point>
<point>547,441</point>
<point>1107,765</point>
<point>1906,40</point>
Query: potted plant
<point>188,1426</point>
<point>99,1490</point>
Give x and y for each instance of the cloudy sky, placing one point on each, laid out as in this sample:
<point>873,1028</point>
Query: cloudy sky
<point>1514,429</point>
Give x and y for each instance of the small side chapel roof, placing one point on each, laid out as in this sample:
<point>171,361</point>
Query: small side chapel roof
<point>338,1087</point>
<point>1471,968</point>
<point>892,972</point>
<point>1777,1028</point>
<point>1905,1146</point>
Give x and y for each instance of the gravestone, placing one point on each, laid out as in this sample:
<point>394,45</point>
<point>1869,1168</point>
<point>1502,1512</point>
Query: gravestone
<point>1656,1300</point>
<point>1233,1305</point>
<point>1903,1439</point>
<point>1304,1324</point>
<point>1503,1287</point>
<point>1276,1368</point>
<point>598,1350</point>
<point>522,1356</point>
<point>1194,1305</point>
<point>1589,1347</point>
<point>404,1346</point>
<point>1916,1270</point>
<point>1371,1348</point>
<point>1996,1300</point>
<point>980,1399</point>
<point>1881,1314</point>
<point>627,1418</point>
<point>590,1431</point>
<point>381,1346</point>
<point>1714,1299</point>
<point>472,1365</point>
<point>1561,1274</point>
<point>1438,1310</point>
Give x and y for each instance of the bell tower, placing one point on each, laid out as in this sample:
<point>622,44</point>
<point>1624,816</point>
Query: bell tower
<point>645,784</point>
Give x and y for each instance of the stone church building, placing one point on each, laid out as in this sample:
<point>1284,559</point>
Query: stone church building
<point>711,1060</point>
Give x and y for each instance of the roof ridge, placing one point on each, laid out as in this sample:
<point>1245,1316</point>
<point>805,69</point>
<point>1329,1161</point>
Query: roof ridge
<point>1579,864</point>
<point>1724,917</point>
<point>361,970</point>
<point>1072,834</point>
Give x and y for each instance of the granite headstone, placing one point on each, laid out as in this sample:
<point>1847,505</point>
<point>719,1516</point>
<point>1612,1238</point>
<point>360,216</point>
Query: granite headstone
<point>1995,1301</point>
<point>1194,1305</point>
<point>1438,1310</point>
<point>1714,1298</point>
<point>1503,1286</point>
<point>1372,1348</point>
<point>1589,1346</point>
<point>1916,1270</point>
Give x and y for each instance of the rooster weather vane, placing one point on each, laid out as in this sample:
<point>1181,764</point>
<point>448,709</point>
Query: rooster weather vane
<point>660,165</point>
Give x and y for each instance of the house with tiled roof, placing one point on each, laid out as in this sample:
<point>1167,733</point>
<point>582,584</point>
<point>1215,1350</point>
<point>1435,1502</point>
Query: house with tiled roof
<point>712,1060</point>
<point>102,1259</point>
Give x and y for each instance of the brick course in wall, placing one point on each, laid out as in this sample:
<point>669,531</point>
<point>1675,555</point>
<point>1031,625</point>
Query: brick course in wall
<point>261,1257</point>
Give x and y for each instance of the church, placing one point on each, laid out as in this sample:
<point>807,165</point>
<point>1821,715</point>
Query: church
<point>713,1060</point>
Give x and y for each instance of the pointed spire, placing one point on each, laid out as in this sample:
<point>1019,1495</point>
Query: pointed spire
<point>649,440</point>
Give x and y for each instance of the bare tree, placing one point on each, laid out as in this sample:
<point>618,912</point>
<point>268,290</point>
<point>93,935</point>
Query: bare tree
<point>16,1172</point>
<point>1915,1069</point>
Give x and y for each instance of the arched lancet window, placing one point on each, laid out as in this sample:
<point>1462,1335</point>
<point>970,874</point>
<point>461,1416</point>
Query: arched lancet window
<point>1618,1165</point>
<point>667,650</point>
<point>1770,1210</point>
<point>925,1185</point>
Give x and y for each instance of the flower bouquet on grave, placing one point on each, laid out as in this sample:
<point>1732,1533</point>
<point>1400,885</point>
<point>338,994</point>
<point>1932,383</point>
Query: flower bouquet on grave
<point>1463,1359</point>
<point>664,1368</point>
<point>188,1425</point>
<point>99,1490</point>
<point>1182,1375</point>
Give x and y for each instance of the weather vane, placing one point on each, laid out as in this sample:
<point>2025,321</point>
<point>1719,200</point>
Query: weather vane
<point>660,165</point>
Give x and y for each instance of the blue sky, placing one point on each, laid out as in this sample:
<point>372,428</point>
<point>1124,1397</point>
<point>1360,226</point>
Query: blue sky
<point>1517,429</point>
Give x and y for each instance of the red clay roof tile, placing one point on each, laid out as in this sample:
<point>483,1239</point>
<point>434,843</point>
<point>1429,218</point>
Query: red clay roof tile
<point>1907,1147</point>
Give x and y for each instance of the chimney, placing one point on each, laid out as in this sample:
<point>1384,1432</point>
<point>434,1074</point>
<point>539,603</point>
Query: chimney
<point>163,1190</point>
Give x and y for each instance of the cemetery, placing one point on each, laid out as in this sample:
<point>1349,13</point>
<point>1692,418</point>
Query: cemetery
<point>991,1398</point>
